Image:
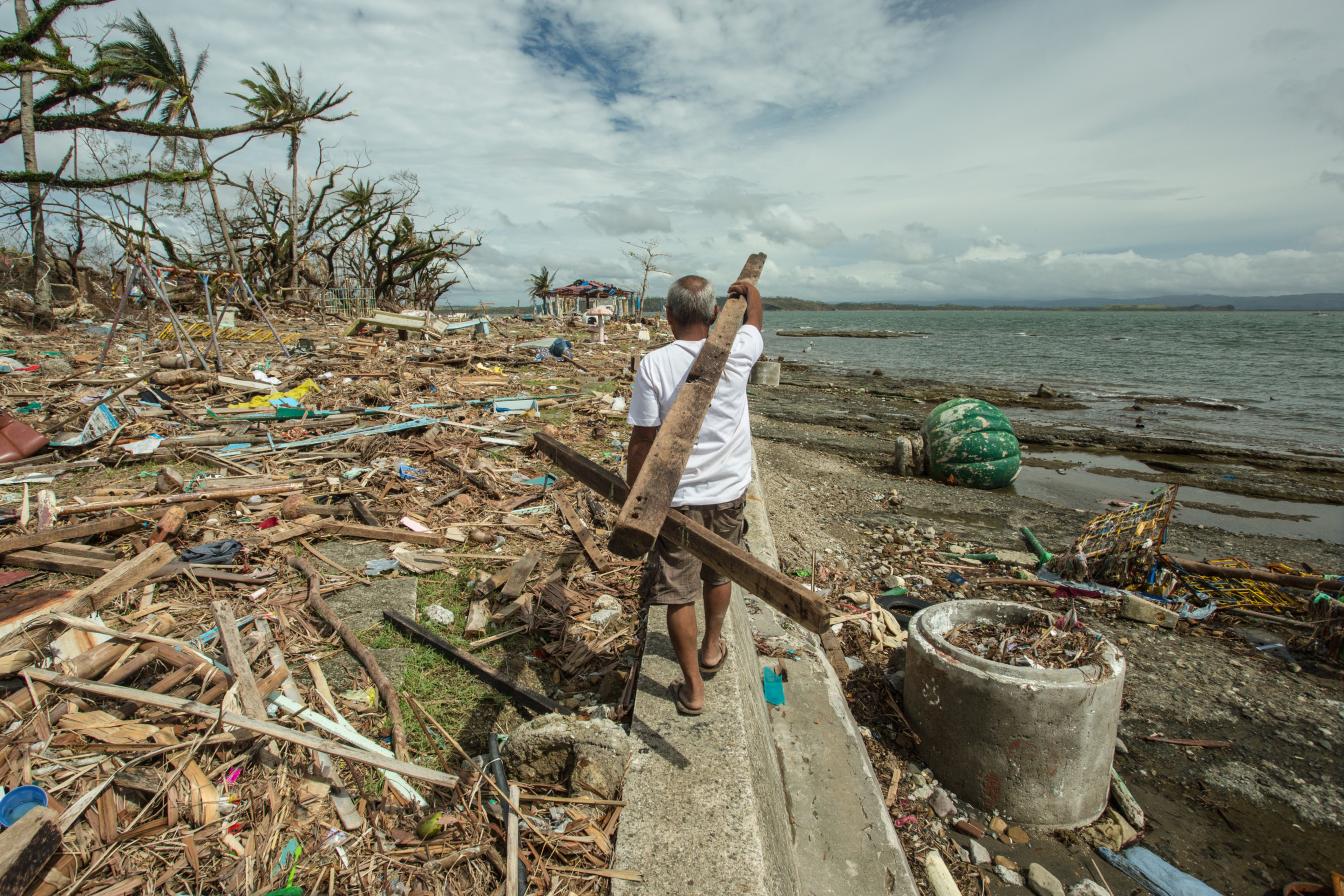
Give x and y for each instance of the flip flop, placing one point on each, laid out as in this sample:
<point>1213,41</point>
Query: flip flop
<point>706,669</point>
<point>682,708</point>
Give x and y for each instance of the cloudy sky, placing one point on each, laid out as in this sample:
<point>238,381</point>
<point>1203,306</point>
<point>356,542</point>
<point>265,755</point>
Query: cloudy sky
<point>876,149</point>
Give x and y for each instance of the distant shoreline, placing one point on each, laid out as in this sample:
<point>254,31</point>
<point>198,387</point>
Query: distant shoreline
<point>803,305</point>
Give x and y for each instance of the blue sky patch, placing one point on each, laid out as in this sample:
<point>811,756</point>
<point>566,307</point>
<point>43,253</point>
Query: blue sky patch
<point>572,48</point>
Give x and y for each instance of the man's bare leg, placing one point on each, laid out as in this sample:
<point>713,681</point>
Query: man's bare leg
<point>716,608</point>
<point>682,630</point>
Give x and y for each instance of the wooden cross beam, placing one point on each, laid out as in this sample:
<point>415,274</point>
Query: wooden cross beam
<point>642,514</point>
<point>769,584</point>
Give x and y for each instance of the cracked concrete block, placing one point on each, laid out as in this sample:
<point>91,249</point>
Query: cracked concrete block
<point>587,757</point>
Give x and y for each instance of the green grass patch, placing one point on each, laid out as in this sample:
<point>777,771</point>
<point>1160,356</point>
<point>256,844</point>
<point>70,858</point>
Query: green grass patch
<point>464,705</point>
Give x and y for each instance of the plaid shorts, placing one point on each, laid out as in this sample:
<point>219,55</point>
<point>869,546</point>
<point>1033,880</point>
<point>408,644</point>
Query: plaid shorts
<point>673,573</point>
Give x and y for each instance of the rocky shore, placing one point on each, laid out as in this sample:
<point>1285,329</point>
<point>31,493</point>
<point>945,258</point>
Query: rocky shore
<point>842,517</point>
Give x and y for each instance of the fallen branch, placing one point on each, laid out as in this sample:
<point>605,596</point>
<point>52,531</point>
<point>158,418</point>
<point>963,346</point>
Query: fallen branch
<point>363,654</point>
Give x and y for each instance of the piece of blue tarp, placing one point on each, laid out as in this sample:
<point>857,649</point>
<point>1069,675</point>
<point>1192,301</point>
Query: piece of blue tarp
<point>1156,873</point>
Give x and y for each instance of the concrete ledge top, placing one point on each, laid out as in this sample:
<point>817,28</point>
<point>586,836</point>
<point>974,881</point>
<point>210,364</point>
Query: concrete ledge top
<point>745,798</point>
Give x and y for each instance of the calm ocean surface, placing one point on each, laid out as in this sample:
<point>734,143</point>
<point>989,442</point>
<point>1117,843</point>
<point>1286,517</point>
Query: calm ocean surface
<point>1283,370</point>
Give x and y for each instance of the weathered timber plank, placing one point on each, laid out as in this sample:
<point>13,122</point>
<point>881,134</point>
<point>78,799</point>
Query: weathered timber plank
<point>126,575</point>
<point>582,533</point>
<point>646,506</point>
<point>112,525</point>
<point>519,573</point>
<point>237,720</point>
<point>383,533</point>
<point>766,582</point>
<point>52,561</point>
<point>27,847</point>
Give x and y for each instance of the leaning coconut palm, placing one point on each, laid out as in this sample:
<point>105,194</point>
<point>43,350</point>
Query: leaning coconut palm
<point>148,63</point>
<point>541,283</point>
<point>278,96</point>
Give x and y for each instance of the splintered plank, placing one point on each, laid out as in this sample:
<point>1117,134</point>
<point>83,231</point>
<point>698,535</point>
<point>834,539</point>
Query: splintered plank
<point>645,508</point>
<point>518,575</point>
<point>112,525</point>
<point>126,575</point>
<point>384,533</point>
<point>266,728</point>
<point>582,533</point>
<point>26,847</point>
<point>760,579</point>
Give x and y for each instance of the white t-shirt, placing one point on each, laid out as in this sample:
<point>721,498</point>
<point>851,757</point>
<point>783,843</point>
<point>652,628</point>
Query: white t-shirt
<point>719,468</point>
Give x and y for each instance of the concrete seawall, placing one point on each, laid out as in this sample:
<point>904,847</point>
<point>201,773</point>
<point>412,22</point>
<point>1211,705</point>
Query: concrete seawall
<point>748,798</point>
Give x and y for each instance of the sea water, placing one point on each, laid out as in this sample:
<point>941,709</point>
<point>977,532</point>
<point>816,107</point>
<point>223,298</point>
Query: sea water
<point>1272,379</point>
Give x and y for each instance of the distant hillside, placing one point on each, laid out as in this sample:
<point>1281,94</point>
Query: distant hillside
<point>1320,301</point>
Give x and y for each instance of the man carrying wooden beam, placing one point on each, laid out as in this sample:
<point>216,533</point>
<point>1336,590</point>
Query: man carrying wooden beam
<point>713,486</point>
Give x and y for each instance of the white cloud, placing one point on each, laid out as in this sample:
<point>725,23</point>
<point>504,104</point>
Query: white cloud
<point>1027,148</point>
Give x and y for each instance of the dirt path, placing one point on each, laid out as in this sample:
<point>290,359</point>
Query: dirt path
<point>1246,819</point>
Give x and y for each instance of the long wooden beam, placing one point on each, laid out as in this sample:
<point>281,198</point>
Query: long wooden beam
<point>764,581</point>
<point>167,500</point>
<point>112,525</point>
<point>643,511</point>
<point>1285,580</point>
<point>267,728</point>
<point>520,695</point>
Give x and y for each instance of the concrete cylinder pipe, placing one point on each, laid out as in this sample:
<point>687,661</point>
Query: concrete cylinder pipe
<point>1033,745</point>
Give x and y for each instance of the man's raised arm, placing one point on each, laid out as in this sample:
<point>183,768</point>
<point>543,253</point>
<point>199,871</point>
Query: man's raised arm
<point>755,311</point>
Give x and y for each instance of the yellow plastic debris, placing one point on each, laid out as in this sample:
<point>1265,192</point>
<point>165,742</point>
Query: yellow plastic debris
<point>262,401</point>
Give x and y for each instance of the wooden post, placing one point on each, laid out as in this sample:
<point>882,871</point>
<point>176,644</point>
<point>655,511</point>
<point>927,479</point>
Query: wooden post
<point>646,506</point>
<point>769,584</point>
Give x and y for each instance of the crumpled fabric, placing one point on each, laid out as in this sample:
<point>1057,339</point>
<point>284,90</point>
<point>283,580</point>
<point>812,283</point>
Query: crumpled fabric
<point>212,553</point>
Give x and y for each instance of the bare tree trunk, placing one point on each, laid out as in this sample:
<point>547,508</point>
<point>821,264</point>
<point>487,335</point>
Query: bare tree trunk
<point>220,217</point>
<point>41,270</point>
<point>294,214</point>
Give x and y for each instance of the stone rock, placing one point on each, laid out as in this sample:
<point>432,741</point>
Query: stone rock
<point>979,855</point>
<point>440,614</point>
<point>1145,611</point>
<point>1042,882</point>
<point>588,758</point>
<point>56,367</point>
<point>170,481</point>
<point>998,825</point>
<point>1044,391</point>
<point>969,828</point>
<point>1017,835</point>
<point>1088,888</point>
<point>1005,862</point>
<point>606,609</point>
<point>1009,876</point>
<point>942,803</point>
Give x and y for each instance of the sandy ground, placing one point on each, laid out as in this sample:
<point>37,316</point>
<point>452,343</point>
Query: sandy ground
<point>1246,819</point>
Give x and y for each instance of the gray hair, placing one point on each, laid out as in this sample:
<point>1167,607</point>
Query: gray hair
<point>691,300</point>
